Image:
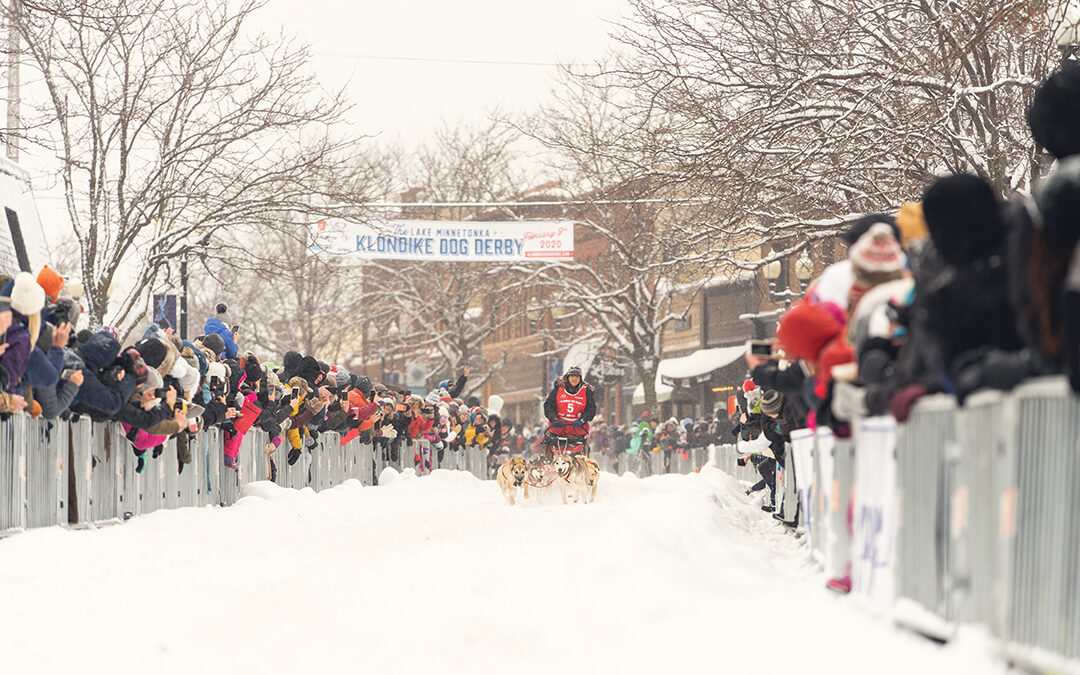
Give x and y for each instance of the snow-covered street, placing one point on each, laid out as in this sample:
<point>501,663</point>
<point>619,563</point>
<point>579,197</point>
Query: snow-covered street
<point>438,575</point>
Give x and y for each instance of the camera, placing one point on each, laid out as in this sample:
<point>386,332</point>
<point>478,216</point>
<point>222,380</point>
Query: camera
<point>760,348</point>
<point>59,315</point>
<point>217,387</point>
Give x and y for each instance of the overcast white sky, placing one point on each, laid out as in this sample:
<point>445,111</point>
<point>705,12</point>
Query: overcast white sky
<point>406,99</point>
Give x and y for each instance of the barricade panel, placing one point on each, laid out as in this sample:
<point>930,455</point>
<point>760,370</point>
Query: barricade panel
<point>12,479</point>
<point>46,479</point>
<point>81,444</point>
<point>924,486</point>
<point>1044,557</point>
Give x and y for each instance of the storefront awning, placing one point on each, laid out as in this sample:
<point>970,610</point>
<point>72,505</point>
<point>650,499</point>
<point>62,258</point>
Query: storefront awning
<point>699,366</point>
<point>685,371</point>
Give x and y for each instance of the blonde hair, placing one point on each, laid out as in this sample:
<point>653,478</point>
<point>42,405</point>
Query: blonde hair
<point>35,327</point>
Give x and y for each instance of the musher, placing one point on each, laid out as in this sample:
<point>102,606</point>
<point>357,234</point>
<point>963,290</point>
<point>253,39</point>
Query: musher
<point>569,407</point>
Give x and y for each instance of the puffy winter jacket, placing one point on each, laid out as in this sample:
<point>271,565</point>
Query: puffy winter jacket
<point>214,325</point>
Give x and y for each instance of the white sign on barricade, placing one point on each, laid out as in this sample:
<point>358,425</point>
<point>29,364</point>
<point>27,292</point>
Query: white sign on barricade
<point>802,447</point>
<point>874,546</point>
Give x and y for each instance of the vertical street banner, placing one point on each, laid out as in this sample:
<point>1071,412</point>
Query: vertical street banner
<point>440,240</point>
<point>802,447</point>
<point>165,310</point>
<point>873,550</point>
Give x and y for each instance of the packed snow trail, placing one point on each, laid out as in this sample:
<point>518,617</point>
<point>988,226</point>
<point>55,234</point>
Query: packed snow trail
<point>438,575</point>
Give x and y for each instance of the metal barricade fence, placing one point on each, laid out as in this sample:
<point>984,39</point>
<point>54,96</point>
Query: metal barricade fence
<point>46,481</point>
<point>838,557</point>
<point>820,496</point>
<point>1039,517</point>
<point>926,456</point>
<point>13,456</point>
<point>986,442</point>
<point>81,451</point>
<point>787,493</point>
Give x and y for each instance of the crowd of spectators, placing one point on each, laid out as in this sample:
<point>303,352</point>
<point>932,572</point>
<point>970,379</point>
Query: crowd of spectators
<point>161,387</point>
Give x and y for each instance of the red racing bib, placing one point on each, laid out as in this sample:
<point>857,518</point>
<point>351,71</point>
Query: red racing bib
<point>570,406</point>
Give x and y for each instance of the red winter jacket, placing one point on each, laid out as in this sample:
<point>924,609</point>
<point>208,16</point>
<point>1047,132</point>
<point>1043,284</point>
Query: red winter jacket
<point>420,426</point>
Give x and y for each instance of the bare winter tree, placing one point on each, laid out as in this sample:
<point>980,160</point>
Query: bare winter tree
<point>441,313</point>
<point>169,125</point>
<point>832,107</point>
<point>639,260</point>
<point>282,297</point>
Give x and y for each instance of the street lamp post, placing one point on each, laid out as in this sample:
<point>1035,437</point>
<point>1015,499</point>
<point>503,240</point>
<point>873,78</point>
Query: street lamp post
<point>804,271</point>
<point>1067,34</point>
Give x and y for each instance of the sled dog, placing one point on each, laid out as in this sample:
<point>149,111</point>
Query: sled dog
<point>563,465</point>
<point>512,476</point>
<point>584,476</point>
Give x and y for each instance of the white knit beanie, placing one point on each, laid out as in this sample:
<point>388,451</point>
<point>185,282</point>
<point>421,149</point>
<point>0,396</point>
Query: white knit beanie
<point>27,296</point>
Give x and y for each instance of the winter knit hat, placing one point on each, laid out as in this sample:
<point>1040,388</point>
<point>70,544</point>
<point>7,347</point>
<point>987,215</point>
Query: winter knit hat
<point>217,370</point>
<point>363,383</point>
<point>877,251</point>
<point>964,218</point>
<point>748,385</point>
<point>214,343</point>
<point>252,368</point>
<point>290,363</point>
<point>27,297</point>
<point>805,330</point>
<point>51,281</point>
<point>152,351</point>
<point>433,397</point>
<point>860,227</point>
<point>222,315</point>
<point>1054,115</point>
<point>772,402</point>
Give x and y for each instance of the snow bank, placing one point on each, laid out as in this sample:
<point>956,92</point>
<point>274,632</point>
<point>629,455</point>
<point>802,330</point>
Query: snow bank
<point>436,574</point>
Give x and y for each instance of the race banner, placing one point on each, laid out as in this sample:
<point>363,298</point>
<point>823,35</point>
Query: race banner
<point>461,241</point>
<point>873,550</point>
<point>802,448</point>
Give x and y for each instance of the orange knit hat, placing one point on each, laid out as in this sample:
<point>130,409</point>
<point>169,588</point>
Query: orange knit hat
<point>51,281</point>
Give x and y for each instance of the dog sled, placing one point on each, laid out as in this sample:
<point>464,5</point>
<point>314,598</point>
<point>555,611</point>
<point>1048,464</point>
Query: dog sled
<point>563,462</point>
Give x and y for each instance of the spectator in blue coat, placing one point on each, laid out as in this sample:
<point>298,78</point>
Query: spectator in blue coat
<point>221,325</point>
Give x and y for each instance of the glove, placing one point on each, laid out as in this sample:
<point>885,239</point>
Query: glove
<point>579,424</point>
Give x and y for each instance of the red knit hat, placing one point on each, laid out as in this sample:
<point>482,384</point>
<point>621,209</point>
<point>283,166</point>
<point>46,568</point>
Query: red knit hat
<point>805,330</point>
<point>748,385</point>
<point>52,282</point>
